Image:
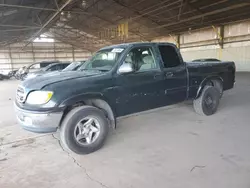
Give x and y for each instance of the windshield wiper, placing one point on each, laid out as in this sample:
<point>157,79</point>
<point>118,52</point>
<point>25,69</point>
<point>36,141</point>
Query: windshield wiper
<point>101,70</point>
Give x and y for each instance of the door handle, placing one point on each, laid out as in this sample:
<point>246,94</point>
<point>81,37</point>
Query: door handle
<point>157,76</point>
<point>169,74</point>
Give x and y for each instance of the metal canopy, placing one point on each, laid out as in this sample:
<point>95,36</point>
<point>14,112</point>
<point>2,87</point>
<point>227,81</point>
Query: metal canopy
<point>88,23</point>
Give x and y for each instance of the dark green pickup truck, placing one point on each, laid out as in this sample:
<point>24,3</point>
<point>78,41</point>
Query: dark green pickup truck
<point>118,80</point>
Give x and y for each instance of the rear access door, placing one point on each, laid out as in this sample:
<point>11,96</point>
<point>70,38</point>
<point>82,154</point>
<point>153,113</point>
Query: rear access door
<point>175,83</point>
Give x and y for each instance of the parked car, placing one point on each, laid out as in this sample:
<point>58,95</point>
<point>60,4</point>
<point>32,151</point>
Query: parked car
<point>7,74</point>
<point>118,80</point>
<point>4,74</point>
<point>23,71</point>
<point>207,60</point>
<point>74,66</point>
<point>12,73</point>
<point>71,67</point>
<point>48,69</point>
<point>3,77</point>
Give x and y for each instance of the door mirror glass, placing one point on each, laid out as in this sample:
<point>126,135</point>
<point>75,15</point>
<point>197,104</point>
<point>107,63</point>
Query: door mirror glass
<point>126,68</point>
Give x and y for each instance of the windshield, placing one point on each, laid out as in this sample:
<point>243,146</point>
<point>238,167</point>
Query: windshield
<point>103,60</point>
<point>72,66</point>
<point>47,67</point>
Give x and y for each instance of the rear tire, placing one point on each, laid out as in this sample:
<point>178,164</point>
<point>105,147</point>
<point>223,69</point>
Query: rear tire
<point>219,86</point>
<point>208,101</point>
<point>81,137</point>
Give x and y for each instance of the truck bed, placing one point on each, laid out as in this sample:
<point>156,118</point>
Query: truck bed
<point>199,71</point>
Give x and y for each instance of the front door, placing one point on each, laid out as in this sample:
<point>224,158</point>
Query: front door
<point>138,91</point>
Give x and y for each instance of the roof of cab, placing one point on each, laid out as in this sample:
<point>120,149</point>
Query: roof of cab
<point>125,45</point>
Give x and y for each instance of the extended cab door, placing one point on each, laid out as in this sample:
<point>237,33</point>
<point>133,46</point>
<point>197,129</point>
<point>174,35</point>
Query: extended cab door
<point>138,90</point>
<point>175,83</point>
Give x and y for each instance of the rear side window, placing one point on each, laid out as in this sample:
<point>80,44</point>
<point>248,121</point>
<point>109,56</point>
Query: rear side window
<point>169,56</point>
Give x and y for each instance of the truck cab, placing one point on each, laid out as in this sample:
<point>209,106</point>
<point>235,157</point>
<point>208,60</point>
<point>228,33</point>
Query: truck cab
<point>146,73</point>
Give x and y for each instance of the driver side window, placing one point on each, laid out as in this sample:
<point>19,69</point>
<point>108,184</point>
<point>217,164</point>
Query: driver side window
<point>142,59</point>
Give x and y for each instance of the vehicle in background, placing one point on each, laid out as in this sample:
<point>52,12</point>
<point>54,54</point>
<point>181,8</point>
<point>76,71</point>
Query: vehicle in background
<point>207,60</point>
<point>118,80</point>
<point>48,69</point>
<point>7,74</point>
<point>12,73</point>
<point>74,66</point>
<point>4,77</point>
<point>71,67</point>
<point>4,74</point>
<point>20,73</point>
<point>23,71</point>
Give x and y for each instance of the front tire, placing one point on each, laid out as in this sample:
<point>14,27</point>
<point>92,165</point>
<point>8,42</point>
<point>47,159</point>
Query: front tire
<point>208,101</point>
<point>84,130</point>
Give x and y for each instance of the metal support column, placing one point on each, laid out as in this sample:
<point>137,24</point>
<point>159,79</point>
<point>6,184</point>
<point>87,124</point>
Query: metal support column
<point>178,41</point>
<point>220,35</point>
<point>54,47</point>
<point>10,56</point>
<point>221,38</point>
<point>33,54</point>
<point>73,53</point>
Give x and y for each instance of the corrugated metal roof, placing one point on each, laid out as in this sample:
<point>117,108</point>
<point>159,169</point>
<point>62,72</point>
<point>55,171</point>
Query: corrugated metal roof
<point>91,24</point>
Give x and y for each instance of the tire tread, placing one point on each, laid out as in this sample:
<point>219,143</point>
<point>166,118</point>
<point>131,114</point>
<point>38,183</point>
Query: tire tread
<point>197,103</point>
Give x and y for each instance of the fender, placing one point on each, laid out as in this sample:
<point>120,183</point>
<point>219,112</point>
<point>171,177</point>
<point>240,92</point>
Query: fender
<point>205,81</point>
<point>80,98</point>
<point>95,99</point>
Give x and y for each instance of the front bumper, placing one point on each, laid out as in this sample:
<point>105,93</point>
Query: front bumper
<point>39,122</point>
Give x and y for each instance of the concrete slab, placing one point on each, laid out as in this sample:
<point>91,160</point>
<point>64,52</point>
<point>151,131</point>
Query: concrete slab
<point>169,147</point>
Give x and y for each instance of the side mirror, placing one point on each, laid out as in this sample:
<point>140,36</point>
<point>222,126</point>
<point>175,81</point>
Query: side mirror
<point>126,68</point>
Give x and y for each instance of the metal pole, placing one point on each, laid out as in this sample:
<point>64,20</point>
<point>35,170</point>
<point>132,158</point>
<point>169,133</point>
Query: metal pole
<point>39,8</point>
<point>10,56</point>
<point>73,53</point>
<point>27,7</point>
<point>32,51</point>
<point>54,46</point>
<point>20,26</point>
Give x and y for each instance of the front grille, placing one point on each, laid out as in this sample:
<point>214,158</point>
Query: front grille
<point>20,94</point>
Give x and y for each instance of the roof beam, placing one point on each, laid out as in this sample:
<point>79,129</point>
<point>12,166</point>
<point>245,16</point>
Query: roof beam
<point>48,22</point>
<point>135,11</point>
<point>210,22</point>
<point>157,9</point>
<point>27,7</point>
<point>203,15</point>
<point>40,8</point>
<point>193,10</point>
<point>194,7</point>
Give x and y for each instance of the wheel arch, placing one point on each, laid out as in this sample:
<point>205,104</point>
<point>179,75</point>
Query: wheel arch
<point>97,100</point>
<point>207,81</point>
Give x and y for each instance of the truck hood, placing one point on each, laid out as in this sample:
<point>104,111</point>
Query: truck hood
<point>40,73</point>
<point>41,81</point>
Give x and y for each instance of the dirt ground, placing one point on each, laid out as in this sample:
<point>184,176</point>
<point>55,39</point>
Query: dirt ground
<point>169,147</point>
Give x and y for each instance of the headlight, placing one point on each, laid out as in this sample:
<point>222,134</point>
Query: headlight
<point>39,97</point>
